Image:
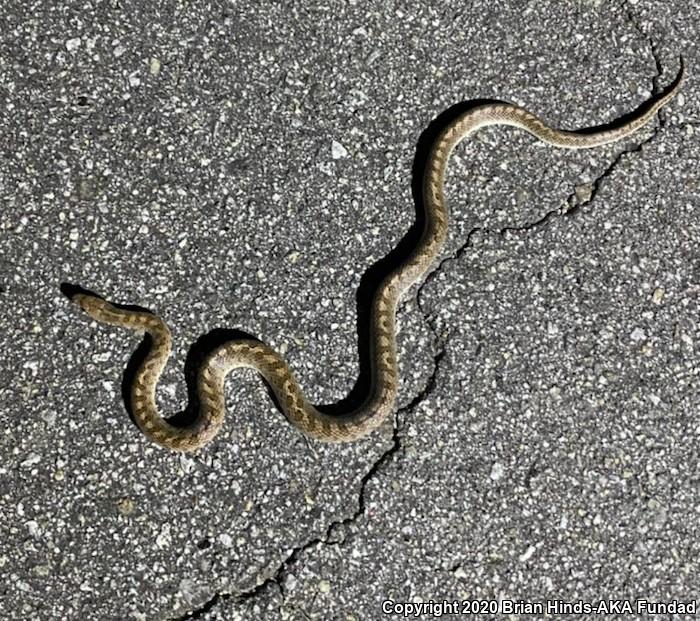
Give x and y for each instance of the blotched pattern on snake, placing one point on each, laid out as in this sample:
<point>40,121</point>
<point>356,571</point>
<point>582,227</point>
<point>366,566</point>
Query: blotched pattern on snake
<point>380,402</point>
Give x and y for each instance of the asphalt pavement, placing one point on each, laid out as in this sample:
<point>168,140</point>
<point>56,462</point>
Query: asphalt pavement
<point>243,166</point>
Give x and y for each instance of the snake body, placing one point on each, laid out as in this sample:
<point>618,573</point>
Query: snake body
<point>380,402</point>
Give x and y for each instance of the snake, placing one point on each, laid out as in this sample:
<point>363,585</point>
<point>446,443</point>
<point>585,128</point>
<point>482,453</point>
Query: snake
<point>380,401</point>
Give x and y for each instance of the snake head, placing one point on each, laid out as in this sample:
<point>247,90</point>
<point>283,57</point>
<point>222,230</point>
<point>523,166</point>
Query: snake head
<point>91,304</point>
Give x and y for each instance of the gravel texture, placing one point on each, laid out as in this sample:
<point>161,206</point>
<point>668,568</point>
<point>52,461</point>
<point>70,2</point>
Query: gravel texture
<point>242,165</point>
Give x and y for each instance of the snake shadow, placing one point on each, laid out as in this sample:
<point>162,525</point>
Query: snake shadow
<point>378,271</point>
<point>369,283</point>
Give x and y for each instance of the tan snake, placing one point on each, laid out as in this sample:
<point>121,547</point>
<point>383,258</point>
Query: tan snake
<point>380,402</point>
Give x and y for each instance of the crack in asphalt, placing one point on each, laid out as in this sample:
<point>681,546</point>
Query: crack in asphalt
<point>277,578</point>
<point>632,19</point>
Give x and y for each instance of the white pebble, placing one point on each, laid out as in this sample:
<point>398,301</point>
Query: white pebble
<point>73,44</point>
<point>31,460</point>
<point>33,528</point>
<point>497,471</point>
<point>527,554</point>
<point>638,335</point>
<point>338,151</point>
<point>290,582</point>
<point>164,539</point>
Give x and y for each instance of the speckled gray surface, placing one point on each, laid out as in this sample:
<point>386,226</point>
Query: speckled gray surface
<point>242,165</point>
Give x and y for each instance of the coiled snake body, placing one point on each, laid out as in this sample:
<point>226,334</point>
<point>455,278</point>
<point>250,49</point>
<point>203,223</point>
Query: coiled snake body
<point>380,401</point>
